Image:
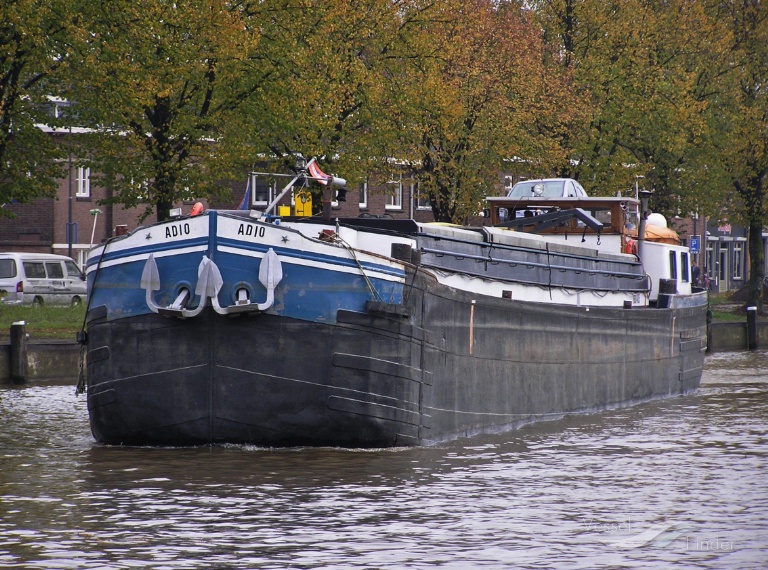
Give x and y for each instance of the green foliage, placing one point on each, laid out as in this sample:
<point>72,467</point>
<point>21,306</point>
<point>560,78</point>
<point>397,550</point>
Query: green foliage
<point>638,65</point>
<point>159,83</point>
<point>32,34</point>
<point>467,89</point>
<point>738,118</point>
<point>319,66</point>
<point>182,95</point>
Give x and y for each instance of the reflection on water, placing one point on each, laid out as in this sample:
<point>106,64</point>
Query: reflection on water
<point>679,482</point>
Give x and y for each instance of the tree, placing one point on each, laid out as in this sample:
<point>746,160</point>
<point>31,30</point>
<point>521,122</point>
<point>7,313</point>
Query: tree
<point>640,67</point>
<point>32,33</point>
<point>160,84</point>
<point>739,121</point>
<point>321,64</point>
<point>467,90</point>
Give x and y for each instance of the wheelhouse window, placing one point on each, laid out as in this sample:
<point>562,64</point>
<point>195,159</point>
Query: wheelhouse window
<point>83,182</point>
<point>673,265</point>
<point>685,272</point>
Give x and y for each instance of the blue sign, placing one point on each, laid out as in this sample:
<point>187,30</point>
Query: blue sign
<point>695,244</point>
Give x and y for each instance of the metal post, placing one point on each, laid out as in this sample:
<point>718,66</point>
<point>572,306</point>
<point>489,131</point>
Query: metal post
<point>696,256</point>
<point>69,200</point>
<point>644,195</point>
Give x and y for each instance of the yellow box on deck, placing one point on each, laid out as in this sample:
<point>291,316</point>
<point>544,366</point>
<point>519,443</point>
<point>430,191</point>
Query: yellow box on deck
<point>304,204</point>
<point>283,211</point>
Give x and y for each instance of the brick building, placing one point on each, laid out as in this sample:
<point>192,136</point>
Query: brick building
<point>78,217</point>
<point>70,222</point>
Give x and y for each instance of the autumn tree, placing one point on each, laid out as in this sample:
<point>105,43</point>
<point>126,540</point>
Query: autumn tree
<point>639,67</point>
<point>321,63</point>
<point>32,40</point>
<point>467,90</point>
<point>160,84</point>
<point>738,118</point>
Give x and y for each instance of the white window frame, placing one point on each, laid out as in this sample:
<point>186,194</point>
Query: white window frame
<point>83,178</point>
<point>420,201</point>
<point>738,260</point>
<point>395,195</point>
<point>363,199</point>
<point>271,194</point>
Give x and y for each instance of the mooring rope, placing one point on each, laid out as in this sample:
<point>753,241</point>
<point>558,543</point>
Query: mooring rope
<point>351,251</point>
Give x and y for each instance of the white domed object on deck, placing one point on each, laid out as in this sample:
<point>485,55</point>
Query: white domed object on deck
<point>657,220</point>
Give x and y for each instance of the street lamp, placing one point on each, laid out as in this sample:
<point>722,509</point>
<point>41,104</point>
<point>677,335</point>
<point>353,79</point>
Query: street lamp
<point>95,213</point>
<point>69,198</point>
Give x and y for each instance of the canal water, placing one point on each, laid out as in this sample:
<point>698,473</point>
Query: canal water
<point>678,483</point>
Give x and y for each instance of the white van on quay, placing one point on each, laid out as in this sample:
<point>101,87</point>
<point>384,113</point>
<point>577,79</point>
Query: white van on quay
<point>41,279</point>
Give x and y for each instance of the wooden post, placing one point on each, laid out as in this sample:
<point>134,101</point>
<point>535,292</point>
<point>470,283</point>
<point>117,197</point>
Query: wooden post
<point>18,352</point>
<point>752,328</point>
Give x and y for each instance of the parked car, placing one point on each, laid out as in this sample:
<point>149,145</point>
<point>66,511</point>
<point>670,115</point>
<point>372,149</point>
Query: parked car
<point>40,279</point>
<point>548,188</point>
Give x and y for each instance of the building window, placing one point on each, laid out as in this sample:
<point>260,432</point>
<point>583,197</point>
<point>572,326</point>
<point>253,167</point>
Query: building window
<point>710,259</point>
<point>394,194</point>
<point>263,191</point>
<point>738,260</point>
<point>363,200</point>
<point>420,199</point>
<point>83,182</point>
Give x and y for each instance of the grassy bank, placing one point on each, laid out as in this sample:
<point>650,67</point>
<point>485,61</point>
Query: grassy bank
<point>42,322</point>
<point>729,307</point>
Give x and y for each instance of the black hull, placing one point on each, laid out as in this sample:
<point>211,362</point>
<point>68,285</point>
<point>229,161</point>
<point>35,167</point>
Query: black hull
<point>447,364</point>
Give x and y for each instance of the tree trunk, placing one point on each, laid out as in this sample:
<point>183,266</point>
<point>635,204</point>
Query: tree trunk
<point>756,265</point>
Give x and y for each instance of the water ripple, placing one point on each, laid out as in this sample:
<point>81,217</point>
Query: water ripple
<point>679,482</point>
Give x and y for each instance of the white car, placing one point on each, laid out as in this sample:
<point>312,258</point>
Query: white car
<point>548,188</point>
<point>40,279</point>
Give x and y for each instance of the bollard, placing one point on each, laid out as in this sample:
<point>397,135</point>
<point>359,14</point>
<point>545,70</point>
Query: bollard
<point>752,328</point>
<point>18,352</point>
<point>667,288</point>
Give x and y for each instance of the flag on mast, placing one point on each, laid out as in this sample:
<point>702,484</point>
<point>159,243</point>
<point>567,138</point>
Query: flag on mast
<point>246,202</point>
<point>317,174</point>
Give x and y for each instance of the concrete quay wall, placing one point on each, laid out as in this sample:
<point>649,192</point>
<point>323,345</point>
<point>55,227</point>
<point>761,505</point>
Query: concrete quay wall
<point>44,360</point>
